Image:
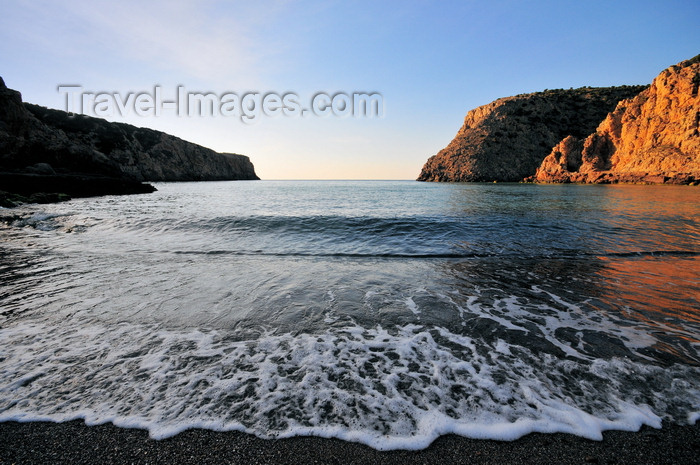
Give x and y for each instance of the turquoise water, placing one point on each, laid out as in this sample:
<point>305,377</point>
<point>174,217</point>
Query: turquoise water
<point>375,311</point>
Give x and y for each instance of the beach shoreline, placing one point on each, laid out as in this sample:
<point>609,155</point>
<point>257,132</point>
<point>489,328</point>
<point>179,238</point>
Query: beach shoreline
<point>74,442</point>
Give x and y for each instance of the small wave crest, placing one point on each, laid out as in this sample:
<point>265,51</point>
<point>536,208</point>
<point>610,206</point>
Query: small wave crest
<point>420,236</point>
<point>415,237</point>
<point>554,256</point>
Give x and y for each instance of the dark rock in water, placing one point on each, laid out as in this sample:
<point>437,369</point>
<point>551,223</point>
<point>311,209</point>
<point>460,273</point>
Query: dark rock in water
<point>40,168</point>
<point>74,185</point>
<point>50,151</point>
<point>506,140</point>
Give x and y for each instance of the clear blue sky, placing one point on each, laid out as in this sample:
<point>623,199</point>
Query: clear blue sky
<point>431,61</point>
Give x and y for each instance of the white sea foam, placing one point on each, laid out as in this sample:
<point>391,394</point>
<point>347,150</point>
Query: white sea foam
<point>388,389</point>
<point>411,305</point>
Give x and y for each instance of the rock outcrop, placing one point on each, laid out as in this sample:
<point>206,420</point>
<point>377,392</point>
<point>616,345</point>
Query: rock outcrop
<point>50,151</point>
<point>506,140</point>
<point>651,138</point>
<point>138,153</point>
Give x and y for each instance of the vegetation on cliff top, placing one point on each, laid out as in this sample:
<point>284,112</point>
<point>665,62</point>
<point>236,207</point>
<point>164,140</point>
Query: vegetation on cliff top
<point>507,139</point>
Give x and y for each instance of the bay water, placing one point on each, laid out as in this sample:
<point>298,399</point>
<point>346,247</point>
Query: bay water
<point>383,312</point>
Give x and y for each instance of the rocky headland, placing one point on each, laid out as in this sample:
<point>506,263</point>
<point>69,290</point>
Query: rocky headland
<point>48,155</point>
<point>506,140</point>
<point>653,137</point>
<point>648,134</point>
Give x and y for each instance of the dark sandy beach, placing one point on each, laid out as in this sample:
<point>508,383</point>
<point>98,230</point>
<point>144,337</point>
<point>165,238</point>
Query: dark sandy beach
<point>73,442</point>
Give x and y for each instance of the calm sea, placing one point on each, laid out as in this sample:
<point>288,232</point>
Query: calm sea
<point>382,312</point>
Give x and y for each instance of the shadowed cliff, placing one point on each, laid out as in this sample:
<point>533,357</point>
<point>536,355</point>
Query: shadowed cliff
<point>44,152</point>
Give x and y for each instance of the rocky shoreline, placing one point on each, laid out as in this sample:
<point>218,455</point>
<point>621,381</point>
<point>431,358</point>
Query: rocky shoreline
<point>20,188</point>
<point>49,155</point>
<point>648,135</point>
<point>506,140</point>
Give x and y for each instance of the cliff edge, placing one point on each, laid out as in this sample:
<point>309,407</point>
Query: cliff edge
<point>507,139</point>
<point>45,152</point>
<point>653,137</point>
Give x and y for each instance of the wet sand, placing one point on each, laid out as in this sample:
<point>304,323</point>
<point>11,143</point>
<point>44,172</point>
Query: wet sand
<point>73,442</point>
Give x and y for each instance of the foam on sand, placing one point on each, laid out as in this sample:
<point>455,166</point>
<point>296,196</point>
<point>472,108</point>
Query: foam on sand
<point>389,389</point>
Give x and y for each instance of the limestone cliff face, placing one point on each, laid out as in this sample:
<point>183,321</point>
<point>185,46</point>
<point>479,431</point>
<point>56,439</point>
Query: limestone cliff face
<point>651,138</point>
<point>138,153</point>
<point>507,139</point>
<point>45,150</point>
